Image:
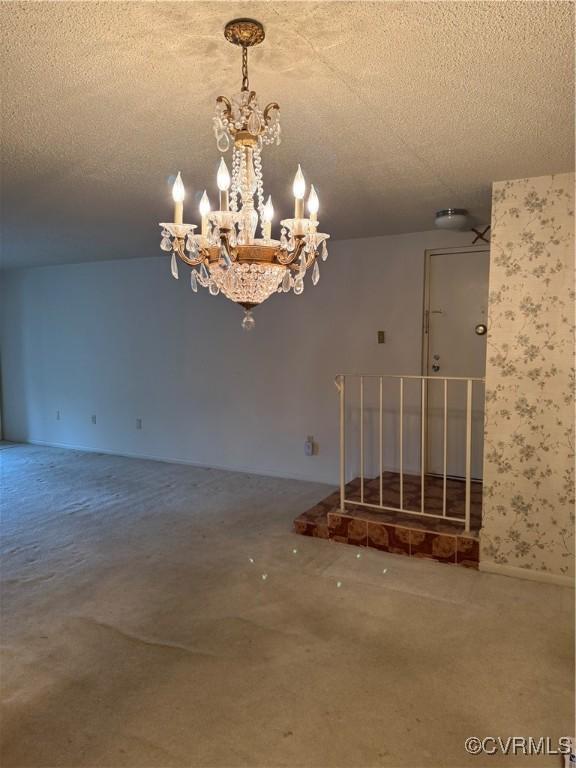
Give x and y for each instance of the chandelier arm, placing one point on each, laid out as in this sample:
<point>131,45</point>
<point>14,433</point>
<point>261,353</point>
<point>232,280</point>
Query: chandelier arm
<point>251,97</point>
<point>181,253</point>
<point>286,258</point>
<point>311,258</point>
<point>226,101</point>
<point>268,109</point>
<point>300,243</point>
<point>225,241</point>
<point>227,112</point>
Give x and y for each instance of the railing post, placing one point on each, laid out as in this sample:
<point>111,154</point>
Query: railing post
<point>401,442</point>
<point>341,384</point>
<point>361,439</point>
<point>380,430</point>
<point>468,451</point>
<point>423,416</point>
<point>445,447</point>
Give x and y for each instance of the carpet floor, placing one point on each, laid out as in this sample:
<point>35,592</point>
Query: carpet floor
<point>158,615</point>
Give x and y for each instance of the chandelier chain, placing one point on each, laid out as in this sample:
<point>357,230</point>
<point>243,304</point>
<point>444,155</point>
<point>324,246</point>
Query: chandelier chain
<point>245,84</point>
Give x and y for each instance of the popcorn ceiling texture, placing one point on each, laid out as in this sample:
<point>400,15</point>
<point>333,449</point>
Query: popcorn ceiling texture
<point>393,109</point>
<point>529,448</point>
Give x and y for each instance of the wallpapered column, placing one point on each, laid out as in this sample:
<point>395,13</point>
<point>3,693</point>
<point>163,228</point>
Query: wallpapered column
<point>529,445</point>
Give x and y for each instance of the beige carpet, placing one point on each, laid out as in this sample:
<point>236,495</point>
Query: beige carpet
<point>137,631</point>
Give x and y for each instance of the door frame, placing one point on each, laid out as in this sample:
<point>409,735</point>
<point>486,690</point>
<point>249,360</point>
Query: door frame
<point>428,253</point>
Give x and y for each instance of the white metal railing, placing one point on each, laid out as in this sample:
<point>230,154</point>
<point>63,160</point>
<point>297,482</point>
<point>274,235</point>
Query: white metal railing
<point>344,383</point>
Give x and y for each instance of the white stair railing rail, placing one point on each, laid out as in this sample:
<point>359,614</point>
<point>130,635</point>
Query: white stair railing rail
<point>344,382</point>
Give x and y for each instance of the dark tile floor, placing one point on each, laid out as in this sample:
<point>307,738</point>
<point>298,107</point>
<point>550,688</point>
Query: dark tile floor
<point>398,532</point>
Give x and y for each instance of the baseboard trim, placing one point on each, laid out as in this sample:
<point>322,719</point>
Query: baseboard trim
<point>175,460</point>
<point>526,573</point>
<point>200,465</point>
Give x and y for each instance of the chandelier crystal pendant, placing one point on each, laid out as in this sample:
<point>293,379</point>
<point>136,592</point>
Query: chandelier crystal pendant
<point>227,256</point>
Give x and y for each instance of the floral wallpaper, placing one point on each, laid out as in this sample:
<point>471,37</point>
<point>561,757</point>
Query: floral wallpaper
<point>529,439</point>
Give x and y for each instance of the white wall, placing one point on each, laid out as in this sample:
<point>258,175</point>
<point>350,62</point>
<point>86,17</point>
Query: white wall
<point>121,339</point>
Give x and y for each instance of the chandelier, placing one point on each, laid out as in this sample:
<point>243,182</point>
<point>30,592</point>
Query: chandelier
<point>226,256</point>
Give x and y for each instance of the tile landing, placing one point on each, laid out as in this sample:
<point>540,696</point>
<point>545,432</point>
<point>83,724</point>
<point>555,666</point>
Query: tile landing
<point>396,532</point>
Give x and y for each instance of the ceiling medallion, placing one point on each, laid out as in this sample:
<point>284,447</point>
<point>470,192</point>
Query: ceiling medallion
<point>227,257</point>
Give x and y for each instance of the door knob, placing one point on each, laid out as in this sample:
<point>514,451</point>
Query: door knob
<point>435,367</point>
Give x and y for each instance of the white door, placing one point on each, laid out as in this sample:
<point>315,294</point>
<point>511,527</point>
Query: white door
<point>456,307</point>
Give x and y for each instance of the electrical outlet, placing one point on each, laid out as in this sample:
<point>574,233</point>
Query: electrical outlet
<point>138,423</point>
<point>93,418</point>
<point>381,337</point>
<point>309,446</point>
<point>57,415</point>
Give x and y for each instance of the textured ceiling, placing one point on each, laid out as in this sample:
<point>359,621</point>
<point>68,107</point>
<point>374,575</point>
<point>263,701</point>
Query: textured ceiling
<point>394,109</point>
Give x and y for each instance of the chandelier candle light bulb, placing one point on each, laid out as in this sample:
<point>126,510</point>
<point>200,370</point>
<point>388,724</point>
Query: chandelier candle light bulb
<point>204,210</point>
<point>178,195</point>
<point>227,258</point>
<point>299,189</point>
<point>223,181</point>
<point>268,216</point>
<point>313,204</point>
